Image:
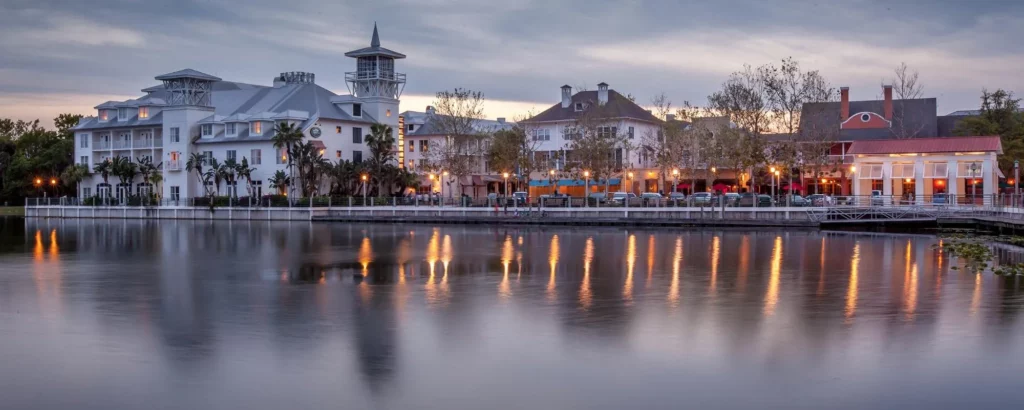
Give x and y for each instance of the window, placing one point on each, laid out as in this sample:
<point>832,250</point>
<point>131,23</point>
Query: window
<point>104,115</point>
<point>357,157</point>
<point>175,193</point>
<point>871,171</point>
<point>412,146</point>
<point>207,129</point>
<point>411,127</point>
<point>337,154</point>
<point>357,110</point>
<point>579,106</point>
<point>208,155</point>
<point>257,156</point>
<point>543,134</point>
<point>412,163</point>
<point>86,192</point>
<point>607,132</point>
<point>232,155</point>
<point>902,171</point>
<point>143,112</point>
<point>631,133</point>
<point>387,113</point>
<point>282,156</point>
<point>570,133</point>
<point>231,128</point>
<point>337,129</point>
<point>257,128</point>
<point>84,160</point>
<point>122,114</point>
<point>970,169</point>
<point>357,135</point>
<point>424,145</point>
<point>175,134</point>
<point>83,140</point>
<point>935,170</point>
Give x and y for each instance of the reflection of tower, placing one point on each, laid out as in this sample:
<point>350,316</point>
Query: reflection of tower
<point>375,84</point>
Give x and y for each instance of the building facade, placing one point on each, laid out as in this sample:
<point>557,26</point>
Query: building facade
<point>193,112</point>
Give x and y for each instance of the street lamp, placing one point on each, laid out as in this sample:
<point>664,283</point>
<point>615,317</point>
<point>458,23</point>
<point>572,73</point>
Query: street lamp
<point>675,180</point>
<point>774,180</point>
<point>553,182</point>
<point>39,185</point>
<point>505,175</point>
<point>630,181</point>
<point>363,177</point>
<point>445,174</point>
<point>586,187</point>
<point>974,186</point>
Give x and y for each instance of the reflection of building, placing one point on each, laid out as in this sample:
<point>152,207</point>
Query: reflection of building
<point>193,112</point>
<point>422,134</point>
<point>898,147</point>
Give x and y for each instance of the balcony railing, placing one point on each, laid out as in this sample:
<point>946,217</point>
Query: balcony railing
<point>158,143</point>
<point>101,145</point>
<point>173,165</point>
<point>122,144</point>
<point>375,75</point>
<point>142,144</point>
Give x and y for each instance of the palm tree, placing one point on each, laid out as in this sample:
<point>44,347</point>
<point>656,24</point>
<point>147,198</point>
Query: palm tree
<point>381,142</point>
<point>156,179</point>
<point>213,174</point>
<point>103,168</point>
<point>244,171</point>
<point>285,137</point>
<point>126,171</point>
<point>195,163</point>
<point>74,174</point>
<point>228,171</point>
<point>310,166</point>
<point>279,182</point>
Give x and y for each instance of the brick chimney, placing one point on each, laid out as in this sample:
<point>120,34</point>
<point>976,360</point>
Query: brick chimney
<point>887,105</point>
<point>566,96</point>
<point>430,109</point>
<point>844,103</point>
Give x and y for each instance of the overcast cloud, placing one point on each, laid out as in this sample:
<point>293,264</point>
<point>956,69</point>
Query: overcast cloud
<point>68,56</point>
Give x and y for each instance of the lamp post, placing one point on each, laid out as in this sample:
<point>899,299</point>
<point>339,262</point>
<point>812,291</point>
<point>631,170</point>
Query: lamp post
<point>39,186</point>
<point>775,181</point>
<point>586,188</point>
<point>364,178</point>
<point>553,181</point>
<point>1016,177</point>
<point>675,180</point>
<point>974,185</point>
<point>630,181</point>
<point>445,175</point>
<point>505,175</point>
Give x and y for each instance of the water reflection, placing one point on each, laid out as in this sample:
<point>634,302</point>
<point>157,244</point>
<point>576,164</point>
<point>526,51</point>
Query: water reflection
<point>380,316</point>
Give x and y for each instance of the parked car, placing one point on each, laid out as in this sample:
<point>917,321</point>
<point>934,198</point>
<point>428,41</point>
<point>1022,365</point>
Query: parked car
<point>701,199</point>
<point>597,198</point>
<point>747,200</point>
<point>731,199</point>
<point>677,197</point>
<point>795,200</point>
<point>651,198</point>
<point>940,199</point>
<point>821,200</point>
<point>619,198</point>
<point>521,197</point>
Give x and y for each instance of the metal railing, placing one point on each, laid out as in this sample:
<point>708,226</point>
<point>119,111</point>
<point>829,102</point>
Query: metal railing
<point>122,144</point>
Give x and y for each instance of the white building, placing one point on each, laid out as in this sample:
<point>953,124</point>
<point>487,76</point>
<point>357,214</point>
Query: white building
<point>192,112</point>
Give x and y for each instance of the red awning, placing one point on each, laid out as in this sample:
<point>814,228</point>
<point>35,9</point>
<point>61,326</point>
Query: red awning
<point>795,187</point>
<point>683,185</point>
<point>720,187</point>
<point>927,145</point>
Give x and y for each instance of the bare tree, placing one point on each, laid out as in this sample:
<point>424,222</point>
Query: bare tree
<point>743,99</point>
<point>513,150</point>
<point>595,144</point>
<point>905,86</point>
<point>461,149</point>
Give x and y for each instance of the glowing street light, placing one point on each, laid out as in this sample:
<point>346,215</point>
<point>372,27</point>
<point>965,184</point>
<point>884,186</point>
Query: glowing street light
<point>364,178</point>
<point>505,175</point>
<point>675,179</point>
<point>630,181</point>
<point>586,188</point>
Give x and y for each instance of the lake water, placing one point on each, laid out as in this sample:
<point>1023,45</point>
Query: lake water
<point>219,315</point>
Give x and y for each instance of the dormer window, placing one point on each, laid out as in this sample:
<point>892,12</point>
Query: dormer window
<point>104,115</point>
<point>122,114</point>
<point>257,128</point>
<point>143,112</point>
<point>231,128</point>
<point>207,130</point>
<point>412,127</point>
<point>579,107</point>
<point>357,110</point>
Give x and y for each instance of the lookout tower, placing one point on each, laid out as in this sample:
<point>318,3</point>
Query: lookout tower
<point>375,74</point>
<point>188,87</point>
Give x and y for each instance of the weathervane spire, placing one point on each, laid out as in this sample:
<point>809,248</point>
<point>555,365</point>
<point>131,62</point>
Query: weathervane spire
<point>375,41</point>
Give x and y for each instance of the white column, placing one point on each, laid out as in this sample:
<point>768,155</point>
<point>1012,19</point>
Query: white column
<point>919,181</point>
<point>987,180</point>
<point>951,183</point>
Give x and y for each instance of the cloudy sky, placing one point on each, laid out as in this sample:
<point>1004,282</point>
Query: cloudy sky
<point>70,55</point>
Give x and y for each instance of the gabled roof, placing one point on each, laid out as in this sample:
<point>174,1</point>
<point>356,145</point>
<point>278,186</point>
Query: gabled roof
<point>427,126</point>
<point>92,123</point>
<point>927,145</point>
<point>187,73</point>
<point>107,105</point>
<point>374,49</point>
<point>916,116</point>
<point>292,115</point>
<point>618,106</point>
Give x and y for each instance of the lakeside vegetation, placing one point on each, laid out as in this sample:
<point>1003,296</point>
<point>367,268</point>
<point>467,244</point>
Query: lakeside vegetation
<point>12,211</point>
